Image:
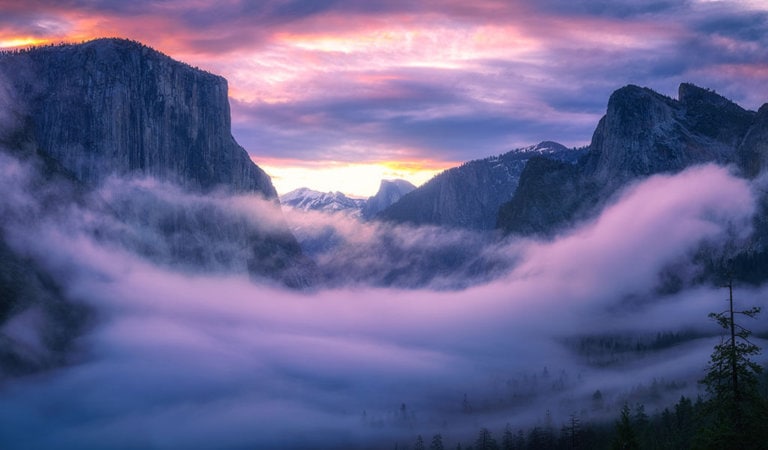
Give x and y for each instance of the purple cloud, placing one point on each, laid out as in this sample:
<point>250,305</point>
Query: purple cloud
<point>200,360</point>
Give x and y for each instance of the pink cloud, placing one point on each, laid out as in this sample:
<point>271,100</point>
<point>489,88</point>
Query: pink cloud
<point>247,363</point>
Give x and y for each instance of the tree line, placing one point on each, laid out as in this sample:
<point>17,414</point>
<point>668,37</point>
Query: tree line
<point>732,415</point>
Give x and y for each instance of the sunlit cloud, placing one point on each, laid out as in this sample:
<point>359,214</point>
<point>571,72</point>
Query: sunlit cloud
<point>356,179</point>
<point>309,79</point>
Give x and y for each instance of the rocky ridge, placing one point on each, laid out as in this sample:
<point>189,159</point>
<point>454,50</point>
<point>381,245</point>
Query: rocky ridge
<point>469,196</point>
<point>642,133</point>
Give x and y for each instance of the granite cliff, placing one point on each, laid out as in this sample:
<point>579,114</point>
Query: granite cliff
<point>642,133</point>
<point>469,196</point>
<point>389,193</point>
<point>133,150</point>
<point>115,107</point>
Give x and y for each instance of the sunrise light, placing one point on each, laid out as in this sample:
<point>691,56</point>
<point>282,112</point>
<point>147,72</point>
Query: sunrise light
<point>378,224</point>
<point>16,42</point>
<point>353,179</point>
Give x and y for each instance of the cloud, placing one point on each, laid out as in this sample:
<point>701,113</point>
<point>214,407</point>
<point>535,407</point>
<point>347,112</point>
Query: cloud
<point>347,80</point>
<point>213,359</point>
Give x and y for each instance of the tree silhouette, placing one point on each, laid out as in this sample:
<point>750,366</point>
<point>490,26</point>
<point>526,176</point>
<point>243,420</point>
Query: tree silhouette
<point>625,433</point>
<point>419,445</point>
<point>735,408</point>
<point>485,440</point>
<point>437,442</point>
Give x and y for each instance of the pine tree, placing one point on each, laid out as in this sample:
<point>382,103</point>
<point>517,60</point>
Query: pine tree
<point>625,434</point>
<point>437,442</point>
<point>735,408</point>
<point>419,445</point>
<point>570,433</point>
<point>485,440</point>
<point>508,439</point>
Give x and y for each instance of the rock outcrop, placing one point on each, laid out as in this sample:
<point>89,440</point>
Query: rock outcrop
<point>389,193</point>
<point>469,196</point>
<point>115,107</point>
<point>79,117</point>
<point>752,153</point>
<point>642,133</point>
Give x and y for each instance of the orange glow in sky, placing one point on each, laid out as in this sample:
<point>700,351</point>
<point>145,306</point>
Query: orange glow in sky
<point>327,96</point>
<point>15,42</point>
<point>356,179</point>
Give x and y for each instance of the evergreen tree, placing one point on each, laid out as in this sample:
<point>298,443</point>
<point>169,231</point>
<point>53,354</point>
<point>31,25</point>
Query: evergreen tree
<point>641,423</point>
<point>508,439</point>
<point>625,434</point>
<point>735,408</point>
<point>419,445</point>
<point>485,440</point>
<point>437,442</point>
<point>541,438</point>
<point>569,435</point>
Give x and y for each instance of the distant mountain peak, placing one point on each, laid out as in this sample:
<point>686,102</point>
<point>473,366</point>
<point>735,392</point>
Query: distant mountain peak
<point>389,193</point>
<point>307,199</point>
<point>400,184</point>
<point>546,147</point>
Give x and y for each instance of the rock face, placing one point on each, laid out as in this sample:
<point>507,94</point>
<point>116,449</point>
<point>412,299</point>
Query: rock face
<point>75,115</point>
<point>752,153</point>
<point>113,106</point>
<point>469,196</point>
<point>389,193</point>
<point>642,133</point>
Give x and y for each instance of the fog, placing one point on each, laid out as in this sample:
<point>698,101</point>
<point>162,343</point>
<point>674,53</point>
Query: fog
<point>203,355</point>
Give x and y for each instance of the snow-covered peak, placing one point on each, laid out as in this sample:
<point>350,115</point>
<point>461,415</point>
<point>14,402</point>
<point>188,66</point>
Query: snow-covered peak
<point>310,200</point>
<point>544,148</point>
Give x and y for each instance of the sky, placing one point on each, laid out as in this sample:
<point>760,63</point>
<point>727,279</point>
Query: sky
<point>337,95</point>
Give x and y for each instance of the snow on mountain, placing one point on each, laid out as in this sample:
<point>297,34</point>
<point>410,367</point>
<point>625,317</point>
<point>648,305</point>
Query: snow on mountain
<point>310,200</point>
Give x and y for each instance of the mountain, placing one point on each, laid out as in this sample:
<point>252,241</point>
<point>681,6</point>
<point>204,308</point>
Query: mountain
<point>306,199</point>
<point>82,129</point>
<point>642,133</point>
<point>116,107</point>
<point>113,107</point>
<point>645,133</point>
<point>389,193</point>
<point>469,196</point>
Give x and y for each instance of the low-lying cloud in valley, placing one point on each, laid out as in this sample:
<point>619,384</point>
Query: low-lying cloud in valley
<point>179,357</point>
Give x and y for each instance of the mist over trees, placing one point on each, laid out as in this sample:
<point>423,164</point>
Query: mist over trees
<point>731,415</point>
